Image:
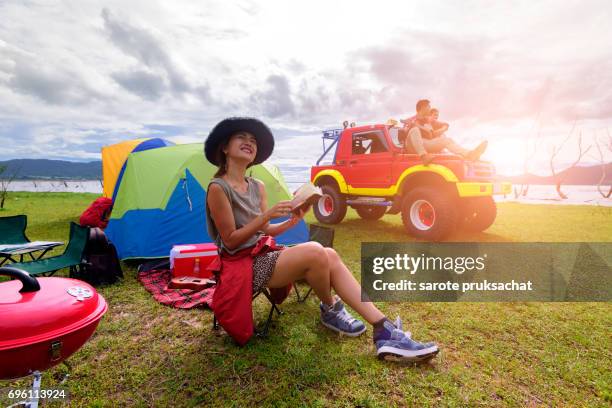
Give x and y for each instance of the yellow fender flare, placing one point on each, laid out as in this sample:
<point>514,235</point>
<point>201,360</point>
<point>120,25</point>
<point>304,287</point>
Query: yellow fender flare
<point>336,175</point>
<point>392,190</point>
<point>440,170</point>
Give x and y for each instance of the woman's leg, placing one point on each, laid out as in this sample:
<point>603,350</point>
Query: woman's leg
<point>349,290</point>
<point>322,266</point>
<point>304,261</point>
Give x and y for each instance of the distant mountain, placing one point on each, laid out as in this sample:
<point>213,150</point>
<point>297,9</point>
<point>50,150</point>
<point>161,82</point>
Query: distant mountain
<point>587,175</point>
<point>40,169</point>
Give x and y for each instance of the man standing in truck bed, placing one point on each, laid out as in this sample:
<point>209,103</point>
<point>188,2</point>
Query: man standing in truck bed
<point>424,135</point>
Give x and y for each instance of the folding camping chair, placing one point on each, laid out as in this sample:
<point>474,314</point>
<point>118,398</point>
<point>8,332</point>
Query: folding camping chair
<point>12,229</point>
<point>71,258</point>
<point>266,292</point>
<point>273,308</point>
<point>325,237</point>
<point>12,232</point>
<point>13,241</point>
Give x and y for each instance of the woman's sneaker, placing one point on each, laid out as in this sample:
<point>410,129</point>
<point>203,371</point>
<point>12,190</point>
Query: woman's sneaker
<point>338,319</point>
<point>393,342</point>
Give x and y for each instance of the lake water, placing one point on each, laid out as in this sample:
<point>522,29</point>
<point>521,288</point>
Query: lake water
<point>546,194</point>
<point>46,186</point>
<point>294,177</point>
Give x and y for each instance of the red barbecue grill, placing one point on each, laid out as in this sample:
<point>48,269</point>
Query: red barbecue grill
<point>43,321</point>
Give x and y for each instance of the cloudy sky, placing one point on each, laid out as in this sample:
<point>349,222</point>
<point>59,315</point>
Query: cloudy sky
<point>77,75</point>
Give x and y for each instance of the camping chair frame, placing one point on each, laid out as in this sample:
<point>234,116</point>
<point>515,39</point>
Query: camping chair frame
<point>73,270</point>
<point>38,257</point>
<point>31,253</point>
<point>301,298</point>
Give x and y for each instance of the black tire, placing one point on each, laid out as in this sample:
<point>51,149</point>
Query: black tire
<point>371,212</point>
<point>429,213</point>
<point>477,213</point>
<point>331,207</point>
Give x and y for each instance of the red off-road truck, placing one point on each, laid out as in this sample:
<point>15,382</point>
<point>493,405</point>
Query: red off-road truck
<point>370,173</point>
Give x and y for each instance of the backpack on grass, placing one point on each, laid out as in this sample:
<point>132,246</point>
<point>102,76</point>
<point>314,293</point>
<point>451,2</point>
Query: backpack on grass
<point>102,264</point>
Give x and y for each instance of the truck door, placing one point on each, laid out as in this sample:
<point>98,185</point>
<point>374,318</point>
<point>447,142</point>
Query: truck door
<point>369,164</point>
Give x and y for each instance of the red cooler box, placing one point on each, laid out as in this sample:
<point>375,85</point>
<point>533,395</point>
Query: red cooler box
<point>192,260</point>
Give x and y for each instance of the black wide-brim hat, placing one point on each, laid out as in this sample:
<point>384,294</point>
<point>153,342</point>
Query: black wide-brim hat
<point>227,127</point>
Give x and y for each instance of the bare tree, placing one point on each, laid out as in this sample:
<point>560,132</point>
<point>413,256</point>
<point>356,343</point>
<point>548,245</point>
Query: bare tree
<point>524,188</point>
<point>559,177</point>
<point>603,165</point>
<point>5,181</point>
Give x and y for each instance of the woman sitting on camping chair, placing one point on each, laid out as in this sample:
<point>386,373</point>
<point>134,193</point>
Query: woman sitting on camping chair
<point>238,216</point>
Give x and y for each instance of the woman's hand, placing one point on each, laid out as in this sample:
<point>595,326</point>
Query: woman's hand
<point>297,216</point>
<point>280,209</point>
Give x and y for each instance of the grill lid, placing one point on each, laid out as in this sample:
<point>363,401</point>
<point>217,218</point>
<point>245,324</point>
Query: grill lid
<point>34,310</point>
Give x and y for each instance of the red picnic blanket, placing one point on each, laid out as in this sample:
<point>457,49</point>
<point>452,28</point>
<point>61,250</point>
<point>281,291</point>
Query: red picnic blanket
<point>156,282</point>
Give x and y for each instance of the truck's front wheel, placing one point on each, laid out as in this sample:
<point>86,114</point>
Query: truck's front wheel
<point>371,212</point>
<point>477,213</point>
<point>331,207</point>
<point>429,213</point>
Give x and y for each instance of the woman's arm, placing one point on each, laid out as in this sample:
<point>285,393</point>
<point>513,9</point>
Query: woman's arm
<point>443,128</point>
<point>223,217</point>
<point>275,229</point>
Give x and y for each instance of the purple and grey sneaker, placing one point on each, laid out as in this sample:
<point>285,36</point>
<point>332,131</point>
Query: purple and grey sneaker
<point>338,319</point>
<point>393,342</point>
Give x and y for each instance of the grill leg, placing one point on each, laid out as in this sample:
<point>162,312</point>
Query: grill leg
<point>33,402</point>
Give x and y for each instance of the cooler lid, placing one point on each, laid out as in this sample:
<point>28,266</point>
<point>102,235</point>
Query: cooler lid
<point>185,249</point>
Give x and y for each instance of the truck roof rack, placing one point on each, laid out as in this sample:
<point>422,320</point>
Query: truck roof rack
<point>333,135</point>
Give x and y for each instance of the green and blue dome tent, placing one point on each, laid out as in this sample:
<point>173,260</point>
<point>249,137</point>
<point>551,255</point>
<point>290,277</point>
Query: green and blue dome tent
<point>115,156</point>
<point>154,143</point>
<point>160,201</point>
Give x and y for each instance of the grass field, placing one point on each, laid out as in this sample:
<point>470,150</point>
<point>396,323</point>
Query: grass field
<point>492,354</point>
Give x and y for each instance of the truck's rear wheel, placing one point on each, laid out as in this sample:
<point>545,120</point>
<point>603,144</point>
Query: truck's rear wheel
<point>331,207</point>
<point>429,213</point>
<point>371,212</point>
<point>477,213</point>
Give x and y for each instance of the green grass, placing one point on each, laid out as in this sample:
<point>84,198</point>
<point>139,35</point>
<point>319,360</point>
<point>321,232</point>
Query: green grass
<point>493,354</point>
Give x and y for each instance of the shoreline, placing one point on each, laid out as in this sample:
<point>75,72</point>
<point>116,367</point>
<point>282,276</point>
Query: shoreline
<point>61,180</point>
<point>595,202</point>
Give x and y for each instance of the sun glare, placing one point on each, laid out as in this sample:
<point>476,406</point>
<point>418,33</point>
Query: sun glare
<point>507,154</point>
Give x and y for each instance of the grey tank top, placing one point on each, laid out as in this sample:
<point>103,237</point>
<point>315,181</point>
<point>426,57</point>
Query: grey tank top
<point>245,207</point>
